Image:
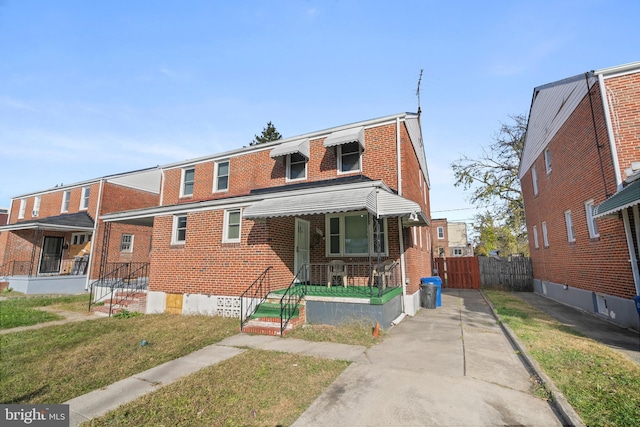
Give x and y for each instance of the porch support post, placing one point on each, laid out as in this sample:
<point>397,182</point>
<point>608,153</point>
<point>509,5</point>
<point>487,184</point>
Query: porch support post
<point>33,251</point>
<point>403,274</point>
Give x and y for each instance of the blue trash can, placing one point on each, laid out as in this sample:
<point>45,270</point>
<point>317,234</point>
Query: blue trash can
<point>435,280</point>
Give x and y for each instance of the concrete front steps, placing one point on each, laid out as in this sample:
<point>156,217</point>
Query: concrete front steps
<point>266,319</point>
<point>123,301</point>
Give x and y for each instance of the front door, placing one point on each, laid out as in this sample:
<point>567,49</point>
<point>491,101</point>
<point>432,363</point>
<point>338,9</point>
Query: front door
<point>51,255</point>
<point>301,255</point>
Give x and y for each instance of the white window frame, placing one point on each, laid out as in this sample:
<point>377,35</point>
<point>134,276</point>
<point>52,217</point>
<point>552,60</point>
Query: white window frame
<point>592,224</point>
<point>184,182</point>
<point>126,243</point>
<point>66,197</point>
<point>80,238</point>
<point>571,232</point>
<point>534,179</point>
<point>23,208</point>
<point>36,206</point>
<point>341,236</point>
<point>290,162</point>
<point>457,252</point>
<point>535,237</point>
<point>440,233</point>
<point>545,234</point>
<point>175,230</point>
<point>227,226</point>
<point>340,155</point>
<point>216,176</point>
<point>84,199</point>
<point>547,160</point>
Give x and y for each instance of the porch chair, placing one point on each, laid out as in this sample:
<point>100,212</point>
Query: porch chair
<point>336,268</point>
<point>383,272</point>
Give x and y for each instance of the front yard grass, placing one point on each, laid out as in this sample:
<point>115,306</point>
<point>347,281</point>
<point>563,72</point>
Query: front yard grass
<point>602,385</point>
<point>56,363</point>
<point>254,388</point>
<point>21,310</point>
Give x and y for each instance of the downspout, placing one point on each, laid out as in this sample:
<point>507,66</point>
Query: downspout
<point>612,141</point>
<point>161,186</point>
<point>633,259</point>
<point>403,273</point>
<point>93,236</point>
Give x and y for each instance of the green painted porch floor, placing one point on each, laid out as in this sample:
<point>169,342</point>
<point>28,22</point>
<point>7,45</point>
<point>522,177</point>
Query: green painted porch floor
<point>348,292</point>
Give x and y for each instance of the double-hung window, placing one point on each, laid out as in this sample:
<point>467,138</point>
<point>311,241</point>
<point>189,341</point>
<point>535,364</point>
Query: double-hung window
<point>534,178</point>
<point>547,160</point>
<point>349,235</point>
<point>84,200</point>
<point>23,208</point>
<point>545,235</point>
<point>80,238</point>
<point>66,196</point>
<point>440,233</point>
<point>232,223</point>
<point>349,157</point>
<point>126,243</point>
<point>535,237</point>
<point>592,225</point>
<point>179,233</point>
<point>36,206</point>
<point>221,177</point>
<point>571,233</point>
<point>296,166</point>
<point>188,177</point>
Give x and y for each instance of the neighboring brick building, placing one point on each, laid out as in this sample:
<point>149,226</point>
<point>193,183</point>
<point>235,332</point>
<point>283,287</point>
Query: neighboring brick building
<point>580,177</point>
<point>450,239</point>
<point>48,244</point>
<point>226,220</point>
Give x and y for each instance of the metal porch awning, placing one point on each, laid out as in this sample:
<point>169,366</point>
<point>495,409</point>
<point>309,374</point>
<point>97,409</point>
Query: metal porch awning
<point>298,146</point>
<point>376,201</point>
<point>80,221</point>
<point>625,198</point>
<point>345,137</point>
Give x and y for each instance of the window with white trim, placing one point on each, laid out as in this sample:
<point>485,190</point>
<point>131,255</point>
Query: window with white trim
<point>36,206</point>
<point>221,176</point>
<point>547,160</point>
<point>592,224</point>
<point>296,166</point>
<point>349,157</point>
<point>80,238</point>
<point>348,235</point>
<point>545,235</point>
<point>66,196</point>
<point>188,178</point>
<point>535,237</point>
<point>571,233</point>
<point>232,225</point>
<point>126,243</point>
<point>457,251</point>
<point>179,230</point>
<point>23,208</point>
<point>84,200</point>
<point>534,179</point>
<point>440,233</point>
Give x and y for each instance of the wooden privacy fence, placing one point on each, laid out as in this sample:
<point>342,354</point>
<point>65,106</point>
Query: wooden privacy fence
<point>510,274</point>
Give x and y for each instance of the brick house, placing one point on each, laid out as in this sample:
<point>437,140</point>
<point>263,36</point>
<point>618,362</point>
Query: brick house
<point>48,244</point>
<point>580,177</point>
<point>341,213</point>
<point>450,239</point>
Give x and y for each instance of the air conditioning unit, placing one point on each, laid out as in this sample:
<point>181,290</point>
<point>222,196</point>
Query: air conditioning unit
<point>34,213</point>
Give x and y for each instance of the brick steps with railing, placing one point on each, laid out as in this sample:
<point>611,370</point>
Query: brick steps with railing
<point>123,301</point>
<point>266,319</point>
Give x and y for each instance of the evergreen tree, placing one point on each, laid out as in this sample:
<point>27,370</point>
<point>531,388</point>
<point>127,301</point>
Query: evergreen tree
<point>269,134</point>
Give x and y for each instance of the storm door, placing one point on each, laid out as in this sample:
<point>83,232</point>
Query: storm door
<point>51,255</point>
<point>301,255</point>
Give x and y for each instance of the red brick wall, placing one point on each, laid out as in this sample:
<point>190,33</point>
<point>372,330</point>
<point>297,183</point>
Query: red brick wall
<point>436,242</point>
<point>623,95</point>
<point>599,264</point>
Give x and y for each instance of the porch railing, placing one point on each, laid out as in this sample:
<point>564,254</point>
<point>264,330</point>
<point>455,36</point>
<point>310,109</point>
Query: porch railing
<point>15,268</point>
<point>255,295</point>
<point>122,282</point>
<point>290,301</point>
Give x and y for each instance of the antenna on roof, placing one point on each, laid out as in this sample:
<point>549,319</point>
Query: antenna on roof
<point>418,90</point>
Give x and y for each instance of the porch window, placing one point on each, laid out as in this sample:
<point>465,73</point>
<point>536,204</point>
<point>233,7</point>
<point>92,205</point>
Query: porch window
<point>84,200</point>
<point>188,176</point>
<point>348,234</point>
<point>179,230</point>
<point>23,208</point>
<point>349,157</point>
<point>221,180</point>
<point>589,206</point>
<point>126,243</point>
<point>80,238</point>
<point>36,206</point>
<point>232,220</point>
<point>66,196</point>
<point>296,166</point>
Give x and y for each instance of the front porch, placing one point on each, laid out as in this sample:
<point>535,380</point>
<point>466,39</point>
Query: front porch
<point>23,276</point>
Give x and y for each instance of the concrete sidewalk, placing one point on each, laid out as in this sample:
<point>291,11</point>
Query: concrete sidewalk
<point>449,366</point>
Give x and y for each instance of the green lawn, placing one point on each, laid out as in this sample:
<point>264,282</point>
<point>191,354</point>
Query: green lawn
<point>20,310</point>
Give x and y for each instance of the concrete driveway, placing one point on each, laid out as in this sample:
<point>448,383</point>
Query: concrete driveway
<point>448,366</point>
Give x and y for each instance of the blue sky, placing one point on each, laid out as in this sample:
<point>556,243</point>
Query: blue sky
<point>92,88</point>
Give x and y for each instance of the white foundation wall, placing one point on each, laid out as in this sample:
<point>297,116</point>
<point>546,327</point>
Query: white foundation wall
<point>209,305</point>
<point>156,302</point>
<point>412,303</point>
